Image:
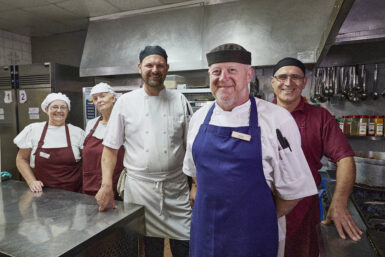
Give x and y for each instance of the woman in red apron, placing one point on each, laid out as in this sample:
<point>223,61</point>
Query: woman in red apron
<point>50,152</point>
<point>104,99</point>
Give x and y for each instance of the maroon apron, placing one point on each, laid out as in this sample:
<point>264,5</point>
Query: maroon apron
<point>92,158</point>
<point>57,167</point>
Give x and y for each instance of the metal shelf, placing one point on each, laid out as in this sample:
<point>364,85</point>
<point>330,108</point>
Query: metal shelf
<point>367,137</point>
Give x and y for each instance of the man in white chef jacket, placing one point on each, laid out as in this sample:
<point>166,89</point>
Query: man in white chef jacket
<point>151,123</point>
<point>247,163</point>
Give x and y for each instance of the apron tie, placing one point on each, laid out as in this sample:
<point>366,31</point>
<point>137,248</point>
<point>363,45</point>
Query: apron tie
<point>160,186</point>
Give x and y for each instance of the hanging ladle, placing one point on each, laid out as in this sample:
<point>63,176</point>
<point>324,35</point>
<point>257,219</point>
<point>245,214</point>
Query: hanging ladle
<point>375,93</point>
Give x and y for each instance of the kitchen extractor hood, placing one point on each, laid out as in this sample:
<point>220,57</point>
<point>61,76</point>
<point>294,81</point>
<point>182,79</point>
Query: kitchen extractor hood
<point>270,29</point>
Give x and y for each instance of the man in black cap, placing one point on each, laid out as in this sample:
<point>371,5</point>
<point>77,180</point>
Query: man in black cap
<point>320,136</point>
<point>151,123</point>
<point>232,154</point>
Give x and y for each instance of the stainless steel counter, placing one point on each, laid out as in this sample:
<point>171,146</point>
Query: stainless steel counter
<point>331,245</point>
<point>63,223</point>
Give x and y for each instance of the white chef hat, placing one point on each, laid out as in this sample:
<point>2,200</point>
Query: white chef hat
<point>102,88</point>
<point>53,97</point>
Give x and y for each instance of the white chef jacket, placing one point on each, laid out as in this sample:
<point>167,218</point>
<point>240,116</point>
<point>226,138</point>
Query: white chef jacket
<point>292,179</point>
<point>55,138</point>
<point>100,129</point>
<point>153,131</point>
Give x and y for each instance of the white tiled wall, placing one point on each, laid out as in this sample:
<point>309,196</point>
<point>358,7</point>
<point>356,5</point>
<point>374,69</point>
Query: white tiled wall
<point>14,49</point>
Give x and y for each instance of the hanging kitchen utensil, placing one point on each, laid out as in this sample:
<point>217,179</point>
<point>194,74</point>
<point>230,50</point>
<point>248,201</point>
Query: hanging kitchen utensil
<point>375,93</point>
<point>351,83</point>
<point>322,97</point>
<point>364,93</point>
<point>313,87</point>
<point>330,82</point>
<point>358,81</point>
<point>344,87</point>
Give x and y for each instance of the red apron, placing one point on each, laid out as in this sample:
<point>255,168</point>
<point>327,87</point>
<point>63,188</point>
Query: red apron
<point>57,167</point>
<point>92,158</point>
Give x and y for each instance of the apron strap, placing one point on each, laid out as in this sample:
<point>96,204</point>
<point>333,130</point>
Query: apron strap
<point>253,113</point>
<point>41,141</point>
<point>208,116</point>
<point>92,131</point>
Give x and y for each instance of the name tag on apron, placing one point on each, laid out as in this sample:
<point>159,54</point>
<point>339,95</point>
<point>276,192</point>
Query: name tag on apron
<point>241,136</point>
<point>44,155</point>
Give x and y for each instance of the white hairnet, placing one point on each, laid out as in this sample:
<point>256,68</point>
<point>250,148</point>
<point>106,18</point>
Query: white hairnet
<point>102,88</point>
<point>53,97</point>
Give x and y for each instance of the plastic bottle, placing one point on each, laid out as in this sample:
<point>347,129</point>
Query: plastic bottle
<point>341,122</point>
<point>371,126</point>
<point>363,130</point>
<point>379,126</point>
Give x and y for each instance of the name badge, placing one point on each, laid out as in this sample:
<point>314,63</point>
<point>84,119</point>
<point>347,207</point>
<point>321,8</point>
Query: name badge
<point>241,136</point>
<point>44,155</point>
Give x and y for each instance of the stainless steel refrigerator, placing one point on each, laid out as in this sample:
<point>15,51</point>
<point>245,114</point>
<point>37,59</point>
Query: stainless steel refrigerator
<point>33,84</point>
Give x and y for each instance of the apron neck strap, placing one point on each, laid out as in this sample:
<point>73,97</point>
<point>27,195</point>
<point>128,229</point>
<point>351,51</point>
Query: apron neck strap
<point>253,113</point>
<point>41,141</point>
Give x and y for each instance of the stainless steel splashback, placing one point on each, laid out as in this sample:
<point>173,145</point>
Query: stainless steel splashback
<point>269,29</point>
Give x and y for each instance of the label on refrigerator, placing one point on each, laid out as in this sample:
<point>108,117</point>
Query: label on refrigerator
<point>8,96</point>
<point>22,96</point>
<point>34,116</point>
<point>1,110</point>
<point>33,110</point>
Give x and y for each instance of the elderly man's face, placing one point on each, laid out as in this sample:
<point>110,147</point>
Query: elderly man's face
<point>288,91</point>
<point>153,69</point>
<point>229,83</point>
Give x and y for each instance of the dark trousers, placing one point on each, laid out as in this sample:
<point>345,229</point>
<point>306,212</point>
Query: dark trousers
<point>154,247</point>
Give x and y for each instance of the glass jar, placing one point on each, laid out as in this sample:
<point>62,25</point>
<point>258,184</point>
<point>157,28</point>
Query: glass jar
<point>379,126</point>
<point>371,126</point>
<point>355,126</point>
<point>347,125</point>
<point>363,130</point>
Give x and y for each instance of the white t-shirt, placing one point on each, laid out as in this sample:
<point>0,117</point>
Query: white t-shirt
<point>55,138</point>
<point>153,131</point>
<point>100,129</point>
<point>291,178</point>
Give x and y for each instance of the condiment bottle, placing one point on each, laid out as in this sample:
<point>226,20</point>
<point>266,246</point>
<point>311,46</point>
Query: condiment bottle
<point>371,126</point>
<point>355,126</point>
<point>341,122</point>
<point>347,125</point>
<point>363,125</point>
<point>379,126</point>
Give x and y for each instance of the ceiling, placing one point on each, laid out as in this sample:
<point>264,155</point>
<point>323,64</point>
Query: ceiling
<point>48,17</point>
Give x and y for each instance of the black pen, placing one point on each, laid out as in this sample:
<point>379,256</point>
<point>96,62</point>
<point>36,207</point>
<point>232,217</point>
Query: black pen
<point>280,138</point>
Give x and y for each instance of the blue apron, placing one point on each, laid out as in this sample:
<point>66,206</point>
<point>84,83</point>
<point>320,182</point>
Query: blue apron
<point>234,213</point>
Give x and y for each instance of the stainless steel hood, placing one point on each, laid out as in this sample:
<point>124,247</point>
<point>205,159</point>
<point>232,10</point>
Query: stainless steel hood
<point>269,29</point>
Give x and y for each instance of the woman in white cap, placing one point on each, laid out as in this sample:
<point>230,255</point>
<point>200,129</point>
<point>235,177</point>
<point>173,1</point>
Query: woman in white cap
<point>50,152</point>
<point>104,99</point>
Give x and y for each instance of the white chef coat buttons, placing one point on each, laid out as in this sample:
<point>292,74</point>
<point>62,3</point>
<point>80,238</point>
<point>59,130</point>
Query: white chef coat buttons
<point>147,150</point>
<point>147,114</point>
<point>164,115</point>
<point>146,132</point>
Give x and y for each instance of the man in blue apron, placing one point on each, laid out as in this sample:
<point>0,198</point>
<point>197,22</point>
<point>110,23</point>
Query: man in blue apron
<point>238,161</point>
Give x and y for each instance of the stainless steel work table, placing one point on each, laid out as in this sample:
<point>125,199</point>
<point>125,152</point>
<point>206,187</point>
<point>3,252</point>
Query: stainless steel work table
<point>63,223</point>
<point>331,245</point>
